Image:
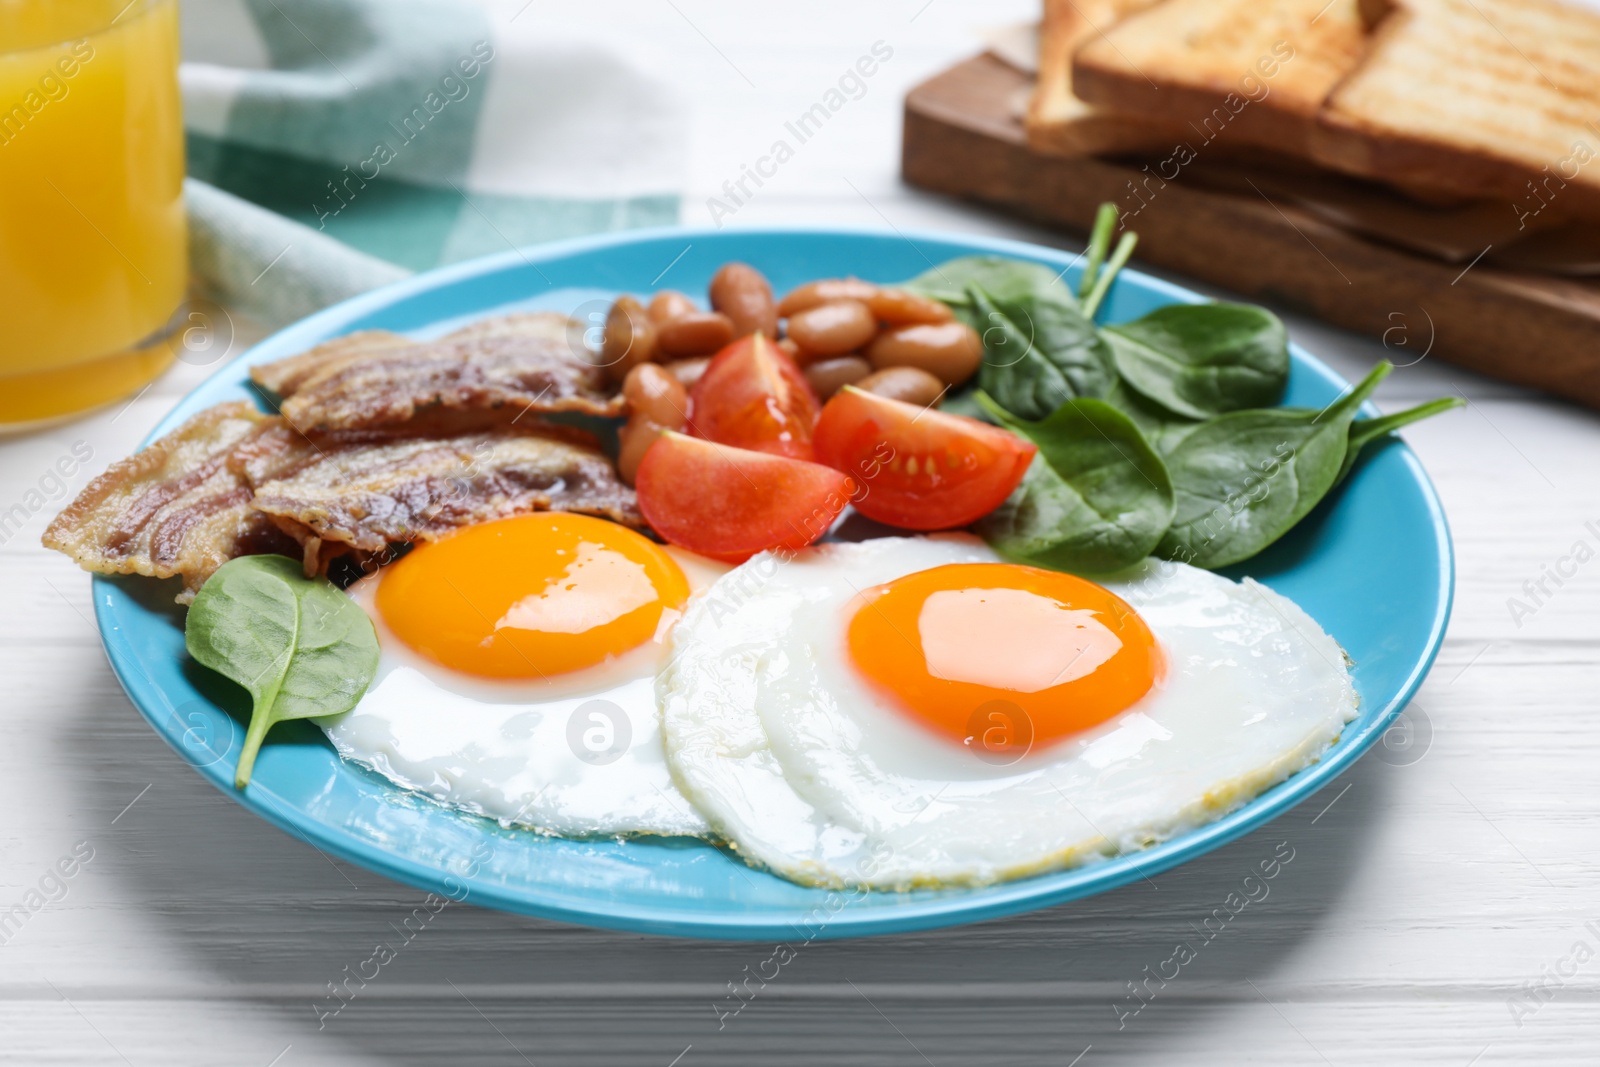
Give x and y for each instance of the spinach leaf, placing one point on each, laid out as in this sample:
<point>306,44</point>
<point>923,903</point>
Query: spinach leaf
<point>1008,279</point>
<point>1201,360</point>
<point>1160,427</point>
<point>1038,352</point>
<point>299,646</point>
<point>1182,396</point>
<point>1096,498</point>
<point>1366,431</point>
<point>1242,480</point>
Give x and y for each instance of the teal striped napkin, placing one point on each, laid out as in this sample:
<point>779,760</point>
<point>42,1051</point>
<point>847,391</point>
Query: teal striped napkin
<point>361,139</point>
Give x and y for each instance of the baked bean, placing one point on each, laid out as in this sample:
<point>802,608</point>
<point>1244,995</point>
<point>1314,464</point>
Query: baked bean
<point>630,339</point>
<point>828,376</point>
<point>910,384</point>
<point>950,351</point>
<point>670,304</point>
<point>900,308</point>
<point>742,293</point>
<point>699,333</point>
<point>825,291</point>
<point>657,402</point>
<point>787,346</point>
<point>688,371</point>
<point>832,329</point>
<point>654,394</point>
<point>633,441</point>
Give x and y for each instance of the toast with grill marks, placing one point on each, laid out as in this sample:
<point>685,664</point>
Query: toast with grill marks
<point>1242,73</point>
<point>1483,98</point>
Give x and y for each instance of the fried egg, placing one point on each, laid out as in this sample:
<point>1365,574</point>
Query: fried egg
<point>517,675</point>
<point>915,712</point>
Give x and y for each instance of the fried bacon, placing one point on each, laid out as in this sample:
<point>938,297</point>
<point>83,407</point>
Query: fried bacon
<point>368,492</point>
<point>489,374</point>
<point>286,376</point>
<point>382,440</point>
<point>174,509</point>
<point>233,482</point>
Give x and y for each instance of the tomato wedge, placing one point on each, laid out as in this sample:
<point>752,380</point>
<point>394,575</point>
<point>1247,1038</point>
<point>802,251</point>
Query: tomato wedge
<point>753,396</point>
<point>919,468</point>
<point>730,503</point>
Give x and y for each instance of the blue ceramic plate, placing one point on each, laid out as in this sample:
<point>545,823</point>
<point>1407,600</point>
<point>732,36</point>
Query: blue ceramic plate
<point>1372,565</point>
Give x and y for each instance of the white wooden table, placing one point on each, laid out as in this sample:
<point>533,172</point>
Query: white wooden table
<point>1435,910</point>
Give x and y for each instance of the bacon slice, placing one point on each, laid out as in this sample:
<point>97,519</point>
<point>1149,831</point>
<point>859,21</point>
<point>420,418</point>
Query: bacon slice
<point>286,376</point>
<point>174,509</point>
<point>489,374</point>
<point>233,482</point>
<point>368,491</point>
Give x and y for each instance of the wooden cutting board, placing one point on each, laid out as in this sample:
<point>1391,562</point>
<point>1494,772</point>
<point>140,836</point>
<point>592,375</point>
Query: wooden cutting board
<point>963,137</point>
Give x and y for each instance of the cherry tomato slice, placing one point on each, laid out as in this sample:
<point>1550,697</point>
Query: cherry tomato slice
<point>753,396</point>
<point>919,468</point>
<point>730,503</point>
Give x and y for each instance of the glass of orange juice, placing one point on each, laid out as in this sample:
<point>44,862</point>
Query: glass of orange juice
<point>93,261</point>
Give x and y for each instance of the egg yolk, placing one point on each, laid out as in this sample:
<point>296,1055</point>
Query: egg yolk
<point>532,596</point>
<point>1000,657</point>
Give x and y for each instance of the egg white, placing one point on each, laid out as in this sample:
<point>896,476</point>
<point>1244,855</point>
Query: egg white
<point>510,750</point>
<point>808,771</point>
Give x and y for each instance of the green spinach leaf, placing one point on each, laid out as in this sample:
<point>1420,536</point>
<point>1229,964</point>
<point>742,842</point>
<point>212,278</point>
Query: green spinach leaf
<point>1160,427</point>
<point>1038,352</point>
<point>1007,279</point>
<point>1365,431</point>
<point>1201,360</point>
<point>1096,498</point>
<point>1242,480</point>
<point>300,647</point>
<point>1187,393</point>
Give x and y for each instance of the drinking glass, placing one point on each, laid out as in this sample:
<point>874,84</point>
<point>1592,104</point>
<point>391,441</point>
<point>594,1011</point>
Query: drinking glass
<point>93,259</point>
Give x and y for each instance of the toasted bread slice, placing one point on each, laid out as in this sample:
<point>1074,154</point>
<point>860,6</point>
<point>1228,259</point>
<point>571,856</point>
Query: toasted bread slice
<point>1490,98</point>
<point>1060,123</point>
<point>1245,72</point>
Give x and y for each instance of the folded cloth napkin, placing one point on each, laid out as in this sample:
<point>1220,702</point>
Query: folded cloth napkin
<point>275,270</point>
<point>335,145</point>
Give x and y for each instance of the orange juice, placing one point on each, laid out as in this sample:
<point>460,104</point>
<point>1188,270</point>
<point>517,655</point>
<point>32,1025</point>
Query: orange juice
<point>93,262</point>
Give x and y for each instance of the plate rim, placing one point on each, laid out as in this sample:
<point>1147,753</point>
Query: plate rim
<point>995,901</point>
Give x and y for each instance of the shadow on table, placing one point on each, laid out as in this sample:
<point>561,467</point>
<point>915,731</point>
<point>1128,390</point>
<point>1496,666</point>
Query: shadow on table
<point>1139,973</point>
